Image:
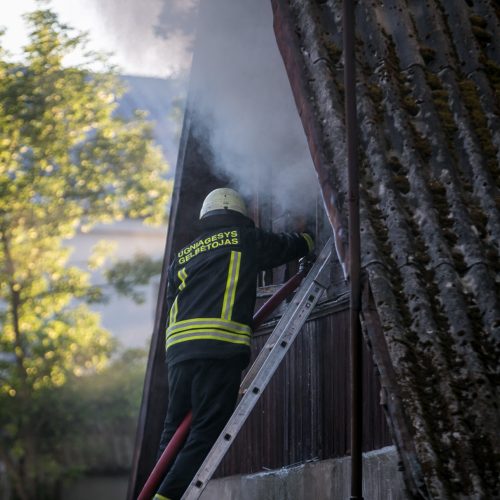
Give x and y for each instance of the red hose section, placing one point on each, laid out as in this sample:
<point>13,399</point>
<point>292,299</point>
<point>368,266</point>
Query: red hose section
<point>167,457</point>
<point>174,445</point>
<point>275,300</point>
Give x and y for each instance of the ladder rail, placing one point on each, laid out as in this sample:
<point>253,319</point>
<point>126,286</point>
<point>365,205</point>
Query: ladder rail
<point>286,331</point>
<point>270,342</point>
<point>264,352</point>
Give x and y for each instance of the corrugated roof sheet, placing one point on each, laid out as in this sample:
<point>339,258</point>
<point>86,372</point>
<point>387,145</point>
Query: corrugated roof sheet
<point>428,107</point>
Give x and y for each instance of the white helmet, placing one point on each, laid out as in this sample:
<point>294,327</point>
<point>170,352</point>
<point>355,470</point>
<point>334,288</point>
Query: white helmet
<point>223,199</point>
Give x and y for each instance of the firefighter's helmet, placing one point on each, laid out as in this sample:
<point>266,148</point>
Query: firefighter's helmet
<point>223,199</point>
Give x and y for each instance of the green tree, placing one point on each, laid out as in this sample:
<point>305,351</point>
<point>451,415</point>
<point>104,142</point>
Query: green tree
<point>66,163</point>
<point>127,276</point>
<point>110,403</point>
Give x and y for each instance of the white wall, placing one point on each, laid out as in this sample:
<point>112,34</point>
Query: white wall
<point>324,480</point>
<point>131,323</point>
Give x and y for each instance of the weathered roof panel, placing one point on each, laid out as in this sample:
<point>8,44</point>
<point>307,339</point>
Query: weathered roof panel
<point>428,87</point>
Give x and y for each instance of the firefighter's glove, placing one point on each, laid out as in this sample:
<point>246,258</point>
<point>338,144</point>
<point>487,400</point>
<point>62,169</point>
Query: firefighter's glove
<point>308,236</point>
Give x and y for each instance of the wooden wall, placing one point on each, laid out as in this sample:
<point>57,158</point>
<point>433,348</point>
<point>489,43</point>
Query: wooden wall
<point>304,414</point>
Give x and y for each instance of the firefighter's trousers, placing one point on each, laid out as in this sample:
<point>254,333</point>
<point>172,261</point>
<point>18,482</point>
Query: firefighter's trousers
<point>209,387</point>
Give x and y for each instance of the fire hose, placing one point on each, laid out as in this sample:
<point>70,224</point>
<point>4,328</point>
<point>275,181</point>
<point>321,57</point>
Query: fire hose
<point>178,439</point>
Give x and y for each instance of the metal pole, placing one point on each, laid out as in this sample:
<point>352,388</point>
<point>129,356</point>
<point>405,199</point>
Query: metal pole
<point>354,250</point>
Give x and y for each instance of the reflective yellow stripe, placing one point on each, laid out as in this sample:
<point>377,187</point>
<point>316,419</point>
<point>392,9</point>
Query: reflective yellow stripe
<point>208,335</point>
<point>231,284</point>
<point>208,329</point>
<point>182,276</point>
<point>218,323</point>
<point>173,312</point>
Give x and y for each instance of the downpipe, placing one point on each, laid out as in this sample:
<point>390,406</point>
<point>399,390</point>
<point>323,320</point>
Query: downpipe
<point>354,251</point>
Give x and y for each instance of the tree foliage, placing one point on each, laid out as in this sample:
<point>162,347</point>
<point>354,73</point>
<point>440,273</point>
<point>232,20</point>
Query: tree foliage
<point>108,407</point>
<point>126,276</point>
<point>66,163</point>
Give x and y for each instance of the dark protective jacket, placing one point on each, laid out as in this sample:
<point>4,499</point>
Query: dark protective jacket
<point>212,286</point>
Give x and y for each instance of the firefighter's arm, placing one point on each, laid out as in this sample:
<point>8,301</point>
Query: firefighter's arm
<point>276,249</point>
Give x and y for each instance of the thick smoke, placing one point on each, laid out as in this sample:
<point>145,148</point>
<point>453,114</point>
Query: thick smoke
<point>241,96</point>
<point>244,101</point>
<point>153,33</point>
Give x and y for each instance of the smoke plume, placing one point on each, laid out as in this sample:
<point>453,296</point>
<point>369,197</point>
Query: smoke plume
<point>152,33</point>
<point>240,94</point>
<point>245,106</point>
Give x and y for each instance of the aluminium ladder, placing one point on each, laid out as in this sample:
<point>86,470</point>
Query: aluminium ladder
<point>268,361</point>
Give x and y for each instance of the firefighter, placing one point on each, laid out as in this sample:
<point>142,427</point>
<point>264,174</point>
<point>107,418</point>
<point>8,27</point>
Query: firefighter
<point>211,298</point>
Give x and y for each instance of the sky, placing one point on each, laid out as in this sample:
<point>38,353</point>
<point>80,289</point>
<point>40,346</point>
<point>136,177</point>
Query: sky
<point>125,27</point>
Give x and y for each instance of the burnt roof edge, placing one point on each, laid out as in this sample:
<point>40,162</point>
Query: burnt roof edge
<point>283,28</point>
